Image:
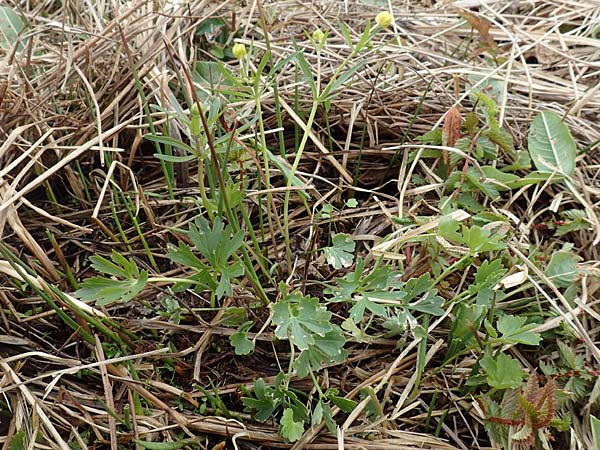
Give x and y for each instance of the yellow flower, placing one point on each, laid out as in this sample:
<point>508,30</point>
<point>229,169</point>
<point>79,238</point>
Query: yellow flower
<point>384,19</point>
<point>239,51</point>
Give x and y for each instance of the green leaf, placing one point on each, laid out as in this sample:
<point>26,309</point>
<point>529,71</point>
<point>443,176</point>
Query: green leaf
<point>468,320</point>
<point>325,350</point>
<point>265,402</point>
<point>10,27</point>
<point>18,441</point>
<point>151,445</point>
<point>317,415</point>
<point>341,253</point>
<point>168,140</point>
<point>125,283</point>
<point>299,318</point>
<point>343,403</point>
<point>482,240</point>
<point>488,275</point>
<point>357,312</point>
<point>503,372</point>
<point>289,428</point>
<point>184,255</point>
<point>595,424</point>
<point>500,137</point>
<point>550,144</point>
<point>514,330</point>
<point>240,341</point>
<point>562,269</point>
<point>329,91</point>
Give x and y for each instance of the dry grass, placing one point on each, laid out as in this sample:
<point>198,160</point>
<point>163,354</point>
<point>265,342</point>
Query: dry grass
<point>70,100</point>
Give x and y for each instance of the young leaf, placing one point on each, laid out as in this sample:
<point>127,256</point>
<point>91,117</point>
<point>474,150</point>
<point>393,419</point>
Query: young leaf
<point>289,428</point>
<point>341,253</point>
<point>550,144</point>
<point>265,403</point>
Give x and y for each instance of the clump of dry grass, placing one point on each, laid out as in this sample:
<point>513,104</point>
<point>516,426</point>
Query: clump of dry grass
<point>74,107</point>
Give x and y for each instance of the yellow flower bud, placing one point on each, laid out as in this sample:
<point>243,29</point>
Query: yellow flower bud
<point>239,51</point>
<point>384,19</point>
<point>318,36</point>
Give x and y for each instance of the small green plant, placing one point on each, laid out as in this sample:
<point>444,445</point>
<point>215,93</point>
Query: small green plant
<point>123,279</point>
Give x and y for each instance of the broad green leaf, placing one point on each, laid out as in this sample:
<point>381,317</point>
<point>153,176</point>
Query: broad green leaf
<point>562,269</point>
<point>10,27</point>
<point>343,403</point>
<point>289,428</point>
<point>550,144</point>
<point>341,253</point>
<point>429,304</point>
<point>482,240</point>
<point>514,330</point>
<point>503,372</point>
<point>18,441</point>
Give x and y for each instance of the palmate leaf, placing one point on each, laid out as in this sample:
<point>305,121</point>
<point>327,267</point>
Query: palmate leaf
<point>340,254</point>
<point>326,350</point>
<point>299,318</point>
<point>125,280</point>
<point>550,144</point>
